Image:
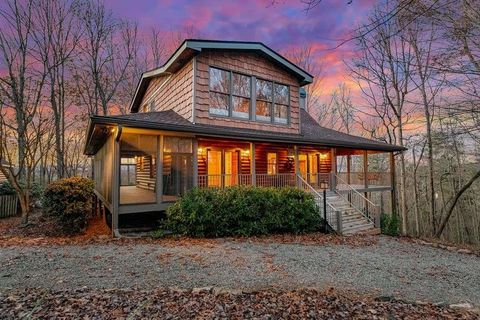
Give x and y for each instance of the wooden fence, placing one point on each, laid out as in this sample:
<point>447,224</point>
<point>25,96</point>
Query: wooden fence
<point>8,205</point>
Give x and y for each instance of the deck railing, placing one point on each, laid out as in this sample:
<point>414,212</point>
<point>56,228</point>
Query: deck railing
<point>357,179</point>
<point>331,214</point>
<point>318,180</point>
<point>262,180</point>
<point>359,202</point>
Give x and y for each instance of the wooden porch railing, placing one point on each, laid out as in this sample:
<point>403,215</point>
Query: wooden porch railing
<point>374,179</point>
<point>262,180</point>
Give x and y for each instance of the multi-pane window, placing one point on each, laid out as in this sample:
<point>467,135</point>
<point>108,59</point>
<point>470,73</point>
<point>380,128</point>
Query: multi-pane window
<point>231,95</point>
<point>219,92</point>
<point>263,110</point>
<point>271,163</point>
<point>281,101</point>
<point>240,96</point>
<point>127,171</point>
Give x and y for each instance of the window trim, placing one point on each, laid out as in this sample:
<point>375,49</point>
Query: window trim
<point>253,98</point>
<point>275,165</point>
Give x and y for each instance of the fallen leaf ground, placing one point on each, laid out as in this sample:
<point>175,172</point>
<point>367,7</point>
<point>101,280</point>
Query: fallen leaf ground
<point>49,276</point>
<point>212,304</point>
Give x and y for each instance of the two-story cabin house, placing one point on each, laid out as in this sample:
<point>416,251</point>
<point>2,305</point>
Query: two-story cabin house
<point>224,113</point>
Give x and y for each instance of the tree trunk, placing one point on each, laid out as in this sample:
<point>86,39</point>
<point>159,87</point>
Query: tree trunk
<point>454,203</point>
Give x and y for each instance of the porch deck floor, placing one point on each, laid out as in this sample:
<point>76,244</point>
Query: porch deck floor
<point>135,195</point>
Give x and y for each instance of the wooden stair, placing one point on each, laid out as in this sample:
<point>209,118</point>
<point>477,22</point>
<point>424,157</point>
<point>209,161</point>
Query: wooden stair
<point>353,222</point>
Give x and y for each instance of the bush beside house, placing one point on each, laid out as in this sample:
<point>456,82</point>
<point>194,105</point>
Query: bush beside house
<point>243,211</point>
<point>70,202</point>
<point>390,224</point>
<point>6,188</point>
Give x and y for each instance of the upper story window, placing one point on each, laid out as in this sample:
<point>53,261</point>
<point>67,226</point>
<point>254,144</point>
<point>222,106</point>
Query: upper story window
<point>232,95</point>
<point>219,92</point>
<point>241,96</point>
<point>263,110</point>
<point>281,100</point>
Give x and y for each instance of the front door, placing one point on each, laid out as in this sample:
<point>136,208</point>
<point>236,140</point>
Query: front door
<point>231,166</point>
<point>313,168</point>
<point>223,167</point>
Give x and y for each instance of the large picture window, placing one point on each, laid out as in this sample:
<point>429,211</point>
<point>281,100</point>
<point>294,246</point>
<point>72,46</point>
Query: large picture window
<point>231,95</point>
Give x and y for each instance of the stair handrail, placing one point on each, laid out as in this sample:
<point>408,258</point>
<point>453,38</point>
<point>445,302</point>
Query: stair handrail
<point>365,213</point>
<point>312,189</point>
<point>355,191</point>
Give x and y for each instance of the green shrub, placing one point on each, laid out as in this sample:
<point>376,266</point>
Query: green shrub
<point>390,224</point>
<point>69,201</point>
<point>243,211</point>
<point>6,188</point>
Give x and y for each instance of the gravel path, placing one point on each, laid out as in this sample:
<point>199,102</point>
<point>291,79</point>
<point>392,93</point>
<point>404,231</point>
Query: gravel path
<point>390,267</point>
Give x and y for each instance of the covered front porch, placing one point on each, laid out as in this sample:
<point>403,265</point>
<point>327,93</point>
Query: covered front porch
<point>144,170</point>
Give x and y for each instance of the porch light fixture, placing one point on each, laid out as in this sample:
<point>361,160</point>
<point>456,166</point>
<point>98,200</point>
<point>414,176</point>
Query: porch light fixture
<point>200,151</point>
<point>290,153</point>
<point>246,152</point>
<point>323,155</point>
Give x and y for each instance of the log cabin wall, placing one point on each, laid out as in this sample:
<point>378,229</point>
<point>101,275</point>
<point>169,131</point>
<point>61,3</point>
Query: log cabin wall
<point>225,145</point>
<point>325,160</point>
<point>286,163</point>
<point>146,174</point>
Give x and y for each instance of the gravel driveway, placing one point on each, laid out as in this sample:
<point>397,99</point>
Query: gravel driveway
<point>390,267</point>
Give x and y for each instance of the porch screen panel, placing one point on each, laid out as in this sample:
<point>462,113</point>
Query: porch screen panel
<point>378,174</point>
<point>138,168</point>
<point>103,169</point>
<point>177,167</point>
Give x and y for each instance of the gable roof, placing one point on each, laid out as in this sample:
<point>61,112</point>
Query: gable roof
<point>311,132</point>
<point>191,47</point>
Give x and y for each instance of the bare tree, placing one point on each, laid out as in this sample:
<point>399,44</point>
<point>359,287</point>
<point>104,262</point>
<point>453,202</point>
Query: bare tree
<point>304,56</point>
<point>21,89</point>
<point>56,35</point>
<point>107,50</point>
<point>382,70</point>
<point>341,109</point>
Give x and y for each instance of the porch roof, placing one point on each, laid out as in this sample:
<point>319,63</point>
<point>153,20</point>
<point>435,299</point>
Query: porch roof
<point>311,132</point>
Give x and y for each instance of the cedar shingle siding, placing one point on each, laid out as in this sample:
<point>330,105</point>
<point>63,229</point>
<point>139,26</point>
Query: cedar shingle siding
<point>171,92</point>
<point>248,63</point>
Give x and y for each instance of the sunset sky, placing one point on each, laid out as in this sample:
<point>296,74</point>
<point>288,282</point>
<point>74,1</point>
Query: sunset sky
<point>279,24</point>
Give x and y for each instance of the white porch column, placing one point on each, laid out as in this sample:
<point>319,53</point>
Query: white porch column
<point>296,163</point>
<point>195,163</point>
<point>349,169</point>
<point>116,182</point>
<point>333,170</point>
<point>159,180</point>
<point>393,183</point>
<point>253,168</point>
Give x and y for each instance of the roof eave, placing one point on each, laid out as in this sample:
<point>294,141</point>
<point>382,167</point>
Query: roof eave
<point>218,132</point>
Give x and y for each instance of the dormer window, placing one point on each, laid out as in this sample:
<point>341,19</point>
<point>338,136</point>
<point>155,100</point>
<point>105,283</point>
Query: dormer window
<point>232,95</point>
